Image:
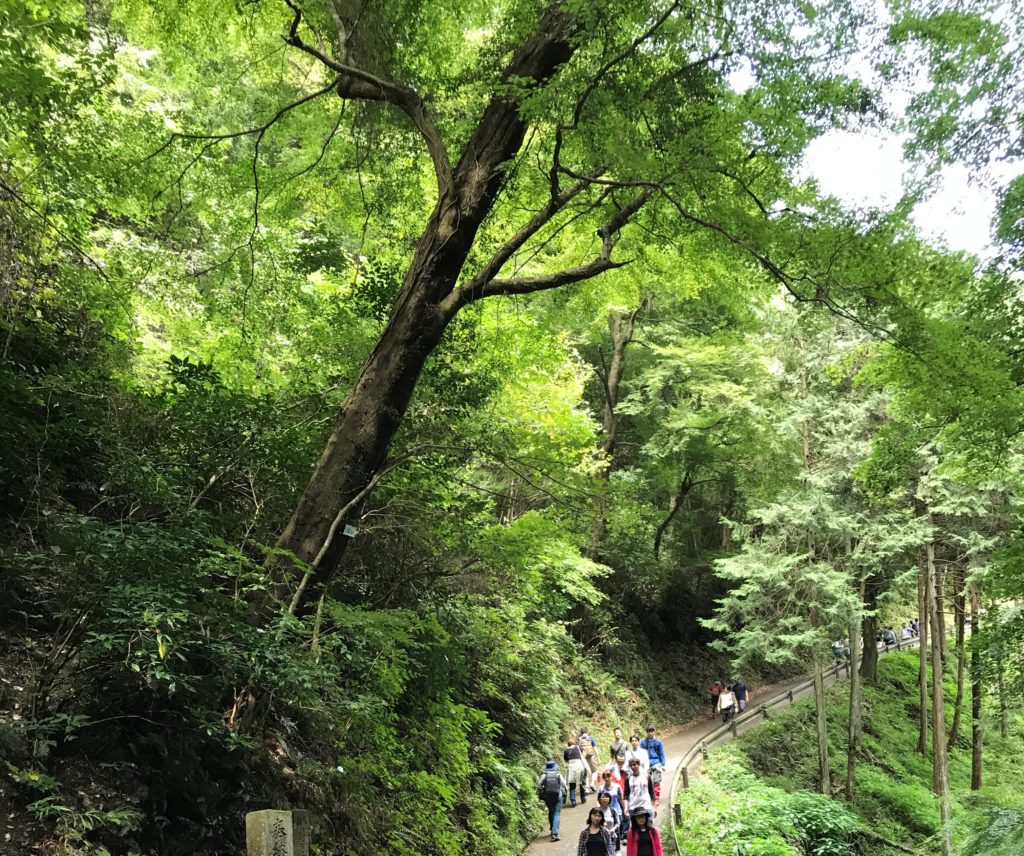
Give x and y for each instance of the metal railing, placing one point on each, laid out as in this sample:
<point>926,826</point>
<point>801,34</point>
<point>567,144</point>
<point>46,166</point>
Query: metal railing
<point>701,749</point>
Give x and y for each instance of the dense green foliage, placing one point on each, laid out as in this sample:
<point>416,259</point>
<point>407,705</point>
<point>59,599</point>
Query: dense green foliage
<point>201,245</point>
<point>751,794</point>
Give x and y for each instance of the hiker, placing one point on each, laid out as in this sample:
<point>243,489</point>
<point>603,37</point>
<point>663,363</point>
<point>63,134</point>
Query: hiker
<point>726,704</point>
<point>551,789</point>
<point>619,744</point>
<point>713,690</point>
<point>573,756</point>
<point>656,761</point>
<point>595,840</point>
<point>643,838</point>
<point>589,746</point>
<point>837,652</point>
<point>612,817</point>
<point>638,790</point>
<point>915,625</point>
<point>636,751</point>
<point>615,783</point>
<point>889,638</point>
<point>739,689</point>
<point>905,632</point>
<point>613,789</point>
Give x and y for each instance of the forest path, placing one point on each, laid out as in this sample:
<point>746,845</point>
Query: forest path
<point>678,742</point>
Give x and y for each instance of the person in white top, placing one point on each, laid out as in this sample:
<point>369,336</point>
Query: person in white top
<point>636,751</point>
<point>727,703</point>
<point>638,789</point>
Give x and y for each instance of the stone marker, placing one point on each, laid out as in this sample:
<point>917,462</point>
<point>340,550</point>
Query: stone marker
<point>269,833</point>
<point>301,831</point>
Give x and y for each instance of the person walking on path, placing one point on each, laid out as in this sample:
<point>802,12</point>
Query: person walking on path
<point>619,744</point>
<point>713,690</point>
<point>595,840</point>
<point>656,761</point>
<point>551,788</point>
<point>589,746</point>
<point>637,751</point>
<point>726,704</point>
<point>612,817</point>
<point>643,838</point>
<point>573,756</point>
<point>739,689</point>
<point>639,792</point>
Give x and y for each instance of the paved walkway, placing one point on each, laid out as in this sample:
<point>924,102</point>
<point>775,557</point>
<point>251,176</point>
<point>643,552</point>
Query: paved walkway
<point>677,743</point>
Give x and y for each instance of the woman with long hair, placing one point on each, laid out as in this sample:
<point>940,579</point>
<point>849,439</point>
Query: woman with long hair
<point>595,839</point>
<point>643,838</point>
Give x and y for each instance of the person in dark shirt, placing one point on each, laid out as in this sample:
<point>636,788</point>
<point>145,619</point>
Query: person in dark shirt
<point>595,840</point>
<point>739,689</point>
<point>643,839</point>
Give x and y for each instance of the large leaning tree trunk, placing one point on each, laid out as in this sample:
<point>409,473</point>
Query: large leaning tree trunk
<point>434,288</point>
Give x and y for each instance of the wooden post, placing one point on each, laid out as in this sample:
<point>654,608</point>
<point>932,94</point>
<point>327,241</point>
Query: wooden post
<point>704,748</point>
<point>686,778</point>
<point>764,711</point>
<point>791,695</point>
<point>732,727</point>
<point>677,813</point>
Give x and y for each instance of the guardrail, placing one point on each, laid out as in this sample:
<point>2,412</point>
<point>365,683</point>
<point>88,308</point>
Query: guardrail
<point>700,750</point>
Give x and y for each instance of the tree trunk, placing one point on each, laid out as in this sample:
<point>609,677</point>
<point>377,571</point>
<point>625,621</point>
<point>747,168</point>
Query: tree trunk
<point>1004,717</point>
<point>621,327</point>
<point>922,658</point>
<point>959,608</point>
<point>976,758</point>
<point>940,768</point>
<point>365,426</point>
<point>855,726</point>
<point>822,725</point>
<point>869,623</point>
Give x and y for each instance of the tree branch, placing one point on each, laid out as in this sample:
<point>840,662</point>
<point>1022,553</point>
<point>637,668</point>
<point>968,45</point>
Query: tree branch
<point>528,284</point>
<point>357,84</point>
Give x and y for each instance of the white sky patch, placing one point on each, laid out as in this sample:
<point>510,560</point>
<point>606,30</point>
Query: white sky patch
<point>866,170</point>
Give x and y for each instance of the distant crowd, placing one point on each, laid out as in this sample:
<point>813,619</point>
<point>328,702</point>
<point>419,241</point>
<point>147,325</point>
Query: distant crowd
<point>883,636</point>
<point>627,787</point>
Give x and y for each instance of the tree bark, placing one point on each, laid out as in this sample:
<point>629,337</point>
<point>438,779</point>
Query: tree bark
<point>821,720</point>
<point>959,608</point>
<point>940,768</point>
<point>976,738</point>
<point>855,726</point>
<point>368,420</point>
<point>869,623</point>
<point>621,327</point>
<point>922,657</point>
<point>1004,716</point>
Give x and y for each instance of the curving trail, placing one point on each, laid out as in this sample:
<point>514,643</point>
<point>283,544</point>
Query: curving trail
<point>678,742</point>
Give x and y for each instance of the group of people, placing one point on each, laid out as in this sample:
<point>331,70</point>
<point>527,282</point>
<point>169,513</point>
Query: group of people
<point>727,700</point>
<point>883,636</point>
<point>627,789</point>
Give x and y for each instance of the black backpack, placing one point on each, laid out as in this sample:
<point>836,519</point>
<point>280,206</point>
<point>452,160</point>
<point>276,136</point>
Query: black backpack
<point>550,786</point>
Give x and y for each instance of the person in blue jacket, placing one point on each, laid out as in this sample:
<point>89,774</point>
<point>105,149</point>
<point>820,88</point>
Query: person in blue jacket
<point>656,752</point>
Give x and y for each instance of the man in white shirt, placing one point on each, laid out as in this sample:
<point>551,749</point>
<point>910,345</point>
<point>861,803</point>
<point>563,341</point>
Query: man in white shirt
<point>636,751</point>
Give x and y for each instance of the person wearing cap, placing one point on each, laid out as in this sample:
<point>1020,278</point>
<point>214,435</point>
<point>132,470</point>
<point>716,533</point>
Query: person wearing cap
<point>656,761</point>
<point>713,690</point>
<point>551,788</point>
<point>643,838</point>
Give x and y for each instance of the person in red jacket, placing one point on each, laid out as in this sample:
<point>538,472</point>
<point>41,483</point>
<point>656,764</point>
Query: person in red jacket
<point>643,838</point>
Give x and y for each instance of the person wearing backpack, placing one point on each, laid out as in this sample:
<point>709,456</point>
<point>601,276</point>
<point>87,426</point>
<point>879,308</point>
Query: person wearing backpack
<point>551,789</point>
<point>655,760</point>
<point>714,688</point>
<point>573,756</point>
<point>589,746</point>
